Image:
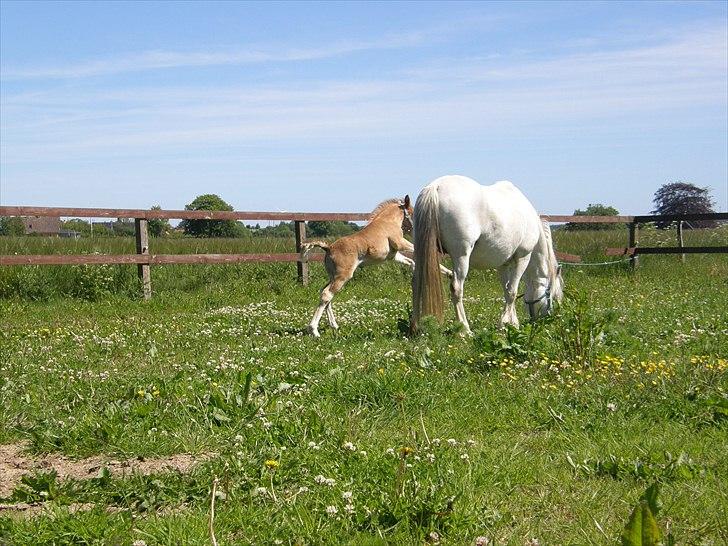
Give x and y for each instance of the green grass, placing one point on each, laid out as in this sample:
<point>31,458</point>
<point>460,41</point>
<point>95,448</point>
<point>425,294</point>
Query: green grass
<point>548,442</point>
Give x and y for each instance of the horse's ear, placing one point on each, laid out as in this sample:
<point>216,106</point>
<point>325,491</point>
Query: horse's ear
<point>406,201</point>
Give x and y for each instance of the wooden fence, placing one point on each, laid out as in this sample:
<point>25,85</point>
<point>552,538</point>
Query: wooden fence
<point>144,259</point>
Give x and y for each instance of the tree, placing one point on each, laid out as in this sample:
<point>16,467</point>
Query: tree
<point>158,226</point>
<point>331,229</point>
<point>124,227</point>
<point>212,228</point>
<point>78,225</point>
<point>12,225</point>
<point>596,209</point>
<point>683,198</point>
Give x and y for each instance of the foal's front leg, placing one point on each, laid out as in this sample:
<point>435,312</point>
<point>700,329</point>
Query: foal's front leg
<point>402,259</point>
<point>409,247</point>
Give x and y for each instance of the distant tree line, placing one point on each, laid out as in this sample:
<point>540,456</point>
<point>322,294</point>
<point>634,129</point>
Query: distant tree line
<point>671,198</point>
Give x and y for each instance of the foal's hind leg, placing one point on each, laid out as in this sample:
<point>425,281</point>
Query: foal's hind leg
<point>330,316</point>
<point>460,266</point>
<point>327,294</point>
<point>510,275</point>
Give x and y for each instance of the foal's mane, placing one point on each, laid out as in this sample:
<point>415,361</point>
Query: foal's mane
<point>381,206</point>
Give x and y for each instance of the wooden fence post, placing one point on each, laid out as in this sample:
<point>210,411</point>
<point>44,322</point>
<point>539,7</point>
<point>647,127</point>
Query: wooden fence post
<point>300,239</point>
<point>633,242</point>
<point>142,247</point>
<point>680,242</point>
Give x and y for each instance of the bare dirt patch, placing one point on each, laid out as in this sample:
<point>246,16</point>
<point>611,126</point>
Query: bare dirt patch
<point>15,462</point>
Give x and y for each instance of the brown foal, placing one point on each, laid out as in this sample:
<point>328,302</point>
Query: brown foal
<point>380,240</point>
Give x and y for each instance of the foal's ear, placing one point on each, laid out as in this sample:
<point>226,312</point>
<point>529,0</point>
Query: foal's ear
<point>406,201</point>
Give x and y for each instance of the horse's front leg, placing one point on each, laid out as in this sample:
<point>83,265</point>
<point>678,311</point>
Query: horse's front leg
<point>510,275</point>
<point>457,284</point>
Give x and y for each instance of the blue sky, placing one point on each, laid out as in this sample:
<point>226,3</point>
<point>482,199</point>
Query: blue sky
<point>335,107</point>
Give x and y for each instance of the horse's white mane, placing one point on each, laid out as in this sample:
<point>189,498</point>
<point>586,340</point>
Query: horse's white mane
<point>551,258</point>
<point>381,206</point>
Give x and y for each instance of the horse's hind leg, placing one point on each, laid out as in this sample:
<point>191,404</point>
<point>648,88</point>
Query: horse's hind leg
<point>460,266</point>
<point>510,275</point>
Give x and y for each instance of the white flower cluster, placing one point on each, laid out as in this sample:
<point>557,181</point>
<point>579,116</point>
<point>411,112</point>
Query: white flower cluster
<point>323,480</point>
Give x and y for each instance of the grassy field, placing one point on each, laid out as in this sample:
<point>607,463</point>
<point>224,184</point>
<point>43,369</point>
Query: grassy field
<point>547,435</point>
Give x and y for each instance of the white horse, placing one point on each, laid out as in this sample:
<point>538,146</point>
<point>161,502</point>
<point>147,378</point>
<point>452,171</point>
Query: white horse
<point>483,227</point>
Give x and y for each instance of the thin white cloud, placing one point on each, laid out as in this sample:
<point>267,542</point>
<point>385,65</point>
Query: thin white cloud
<point>253,54</point>
<point>685,77</point>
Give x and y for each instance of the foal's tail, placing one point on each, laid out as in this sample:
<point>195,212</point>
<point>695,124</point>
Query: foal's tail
<point>427,298</point>
<point>306,248</point>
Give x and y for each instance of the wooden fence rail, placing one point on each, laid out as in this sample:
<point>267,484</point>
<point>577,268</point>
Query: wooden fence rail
<point>144,258</point>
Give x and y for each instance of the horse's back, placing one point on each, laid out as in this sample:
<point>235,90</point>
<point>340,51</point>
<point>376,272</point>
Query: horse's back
<point>491,223</point>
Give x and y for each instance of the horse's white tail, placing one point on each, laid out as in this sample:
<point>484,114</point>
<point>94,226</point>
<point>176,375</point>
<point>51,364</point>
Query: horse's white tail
<point>306,248</point>
<point>427,298</point>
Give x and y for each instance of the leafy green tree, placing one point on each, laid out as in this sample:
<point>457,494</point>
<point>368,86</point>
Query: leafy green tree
<point>331,229</point>
<point>12,225</point>
<point>596,209</point>
<point>212,228</point>
<point>158,226</point>
<point>683,198</point>
<point>283,229</point>
<point>76,224</point>
<point>124,227</point>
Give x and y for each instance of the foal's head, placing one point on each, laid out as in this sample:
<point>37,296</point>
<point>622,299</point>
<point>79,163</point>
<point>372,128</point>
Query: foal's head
<point>405,206</point>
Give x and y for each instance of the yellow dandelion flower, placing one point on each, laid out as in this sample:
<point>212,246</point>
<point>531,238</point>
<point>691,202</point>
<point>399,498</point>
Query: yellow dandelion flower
<point>272,464</point>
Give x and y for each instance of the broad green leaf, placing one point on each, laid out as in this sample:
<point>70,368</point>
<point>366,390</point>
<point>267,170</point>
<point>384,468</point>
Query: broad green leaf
<point>641,529</point>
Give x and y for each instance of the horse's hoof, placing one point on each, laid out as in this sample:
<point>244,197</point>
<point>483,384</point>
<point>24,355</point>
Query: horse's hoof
<point>313,331</point>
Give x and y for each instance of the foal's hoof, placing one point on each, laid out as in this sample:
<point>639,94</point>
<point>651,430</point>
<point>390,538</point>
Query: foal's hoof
<point>313,331</point>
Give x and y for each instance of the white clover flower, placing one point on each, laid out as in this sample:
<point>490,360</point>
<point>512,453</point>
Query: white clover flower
<point>482,541</point>
<point>452,442</point>
<point>612,406</point>
<point>314,445</point>
<point>363,453</point>
<point>431,457</point>
<point>349,446</point>
<point>346,495</point>
<point>139,542</point>
<point>260,492</point>
<point>436,441</point>
<point>465,457</point>
<point>303,489</point>
<point>322,480</point>
<point>349,508</point>
<point>472,443</point>
<point>332,510</point>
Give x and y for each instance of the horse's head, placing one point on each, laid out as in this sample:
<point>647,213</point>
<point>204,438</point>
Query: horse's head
<point>405,206</point>
<point>542,292</point>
